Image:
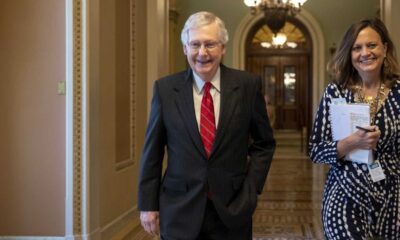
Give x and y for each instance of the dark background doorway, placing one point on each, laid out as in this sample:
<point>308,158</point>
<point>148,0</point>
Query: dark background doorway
<point>285,85</point>
<point>285,70</point>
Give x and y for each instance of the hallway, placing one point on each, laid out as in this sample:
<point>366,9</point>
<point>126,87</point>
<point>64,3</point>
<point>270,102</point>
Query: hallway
<point>289,207</point>
<point>76,87</point>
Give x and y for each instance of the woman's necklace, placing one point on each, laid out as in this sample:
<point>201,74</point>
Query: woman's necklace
<point>374,103</point>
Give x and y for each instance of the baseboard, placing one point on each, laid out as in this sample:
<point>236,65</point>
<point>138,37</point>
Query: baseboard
<point>115,230</point>
<point>121,226</point>
<point>93,236</point>
<point>30,238</point>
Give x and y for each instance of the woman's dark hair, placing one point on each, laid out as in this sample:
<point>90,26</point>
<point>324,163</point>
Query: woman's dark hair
<point>341,68</point>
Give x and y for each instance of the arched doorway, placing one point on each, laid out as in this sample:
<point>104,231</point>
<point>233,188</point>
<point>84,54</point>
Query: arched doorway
<point>285,70</point>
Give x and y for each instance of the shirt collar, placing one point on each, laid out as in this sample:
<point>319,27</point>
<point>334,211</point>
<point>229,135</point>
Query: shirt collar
<point>215,81</point>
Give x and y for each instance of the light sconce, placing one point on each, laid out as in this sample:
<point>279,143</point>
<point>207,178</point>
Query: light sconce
<point>279,39</point>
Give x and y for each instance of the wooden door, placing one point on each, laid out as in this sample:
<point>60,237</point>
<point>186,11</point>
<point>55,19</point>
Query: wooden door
<point>284,84</point>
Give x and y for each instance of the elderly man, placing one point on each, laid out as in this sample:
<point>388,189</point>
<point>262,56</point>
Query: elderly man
<point>212,121</point>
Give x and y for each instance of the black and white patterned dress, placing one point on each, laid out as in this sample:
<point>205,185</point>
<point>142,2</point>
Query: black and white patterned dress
<point>355,207</point>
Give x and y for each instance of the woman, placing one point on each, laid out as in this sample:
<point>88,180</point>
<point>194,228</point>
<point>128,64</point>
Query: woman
<point>356,205</point>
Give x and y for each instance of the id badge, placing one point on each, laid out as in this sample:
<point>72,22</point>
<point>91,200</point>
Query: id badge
<point>376,172</point>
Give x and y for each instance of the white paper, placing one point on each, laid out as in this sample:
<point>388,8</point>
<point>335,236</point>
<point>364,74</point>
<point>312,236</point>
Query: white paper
<point>344,119</point>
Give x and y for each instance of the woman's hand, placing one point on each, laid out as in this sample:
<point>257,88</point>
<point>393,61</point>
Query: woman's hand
<point>360,139</point>
<point>368,139</point>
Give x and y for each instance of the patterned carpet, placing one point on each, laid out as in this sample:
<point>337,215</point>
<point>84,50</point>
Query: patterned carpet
<point>289,207</point>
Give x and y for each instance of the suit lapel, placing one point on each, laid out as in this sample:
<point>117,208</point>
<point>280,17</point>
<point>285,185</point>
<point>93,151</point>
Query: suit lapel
<point>228,104</point>
<point>185,104</point>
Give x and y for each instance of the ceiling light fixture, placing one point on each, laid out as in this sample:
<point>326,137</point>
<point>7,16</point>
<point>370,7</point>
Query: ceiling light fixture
<point>279,39</point>
<point>275,11</point>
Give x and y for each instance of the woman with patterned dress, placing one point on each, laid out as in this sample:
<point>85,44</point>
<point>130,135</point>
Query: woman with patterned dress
<point>356,204</point>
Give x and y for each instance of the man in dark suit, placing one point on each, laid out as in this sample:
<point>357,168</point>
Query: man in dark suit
<point>218,140</point>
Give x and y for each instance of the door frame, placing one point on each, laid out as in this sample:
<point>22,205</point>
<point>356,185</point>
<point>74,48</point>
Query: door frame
<point>305,121</point>
<point>317,55</point>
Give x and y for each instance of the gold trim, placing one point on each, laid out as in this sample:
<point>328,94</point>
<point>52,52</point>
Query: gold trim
<point>133,80</point>
<point>77,115</point>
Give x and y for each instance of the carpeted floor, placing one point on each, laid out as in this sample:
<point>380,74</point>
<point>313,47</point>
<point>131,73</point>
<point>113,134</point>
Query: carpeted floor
<point>289,207</point>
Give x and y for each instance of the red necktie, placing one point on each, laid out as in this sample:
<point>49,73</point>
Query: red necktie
<point>207,119</point>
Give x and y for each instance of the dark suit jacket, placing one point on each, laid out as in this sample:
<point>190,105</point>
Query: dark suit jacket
<point>238,164</point>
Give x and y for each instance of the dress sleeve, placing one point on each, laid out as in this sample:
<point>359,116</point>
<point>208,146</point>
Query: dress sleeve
<point>322,149</point>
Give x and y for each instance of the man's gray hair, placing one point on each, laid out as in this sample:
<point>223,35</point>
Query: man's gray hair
<point>200,19</point>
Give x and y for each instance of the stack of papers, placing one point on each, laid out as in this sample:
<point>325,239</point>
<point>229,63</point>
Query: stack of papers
<point>344,119</point>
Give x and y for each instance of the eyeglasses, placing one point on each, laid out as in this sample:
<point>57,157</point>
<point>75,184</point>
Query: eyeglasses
<point>209,46</point>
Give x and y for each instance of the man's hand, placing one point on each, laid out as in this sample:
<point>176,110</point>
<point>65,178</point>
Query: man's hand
<point>150,222</point>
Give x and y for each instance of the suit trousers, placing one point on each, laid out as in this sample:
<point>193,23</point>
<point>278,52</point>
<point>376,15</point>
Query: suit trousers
<point>214,229</point>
